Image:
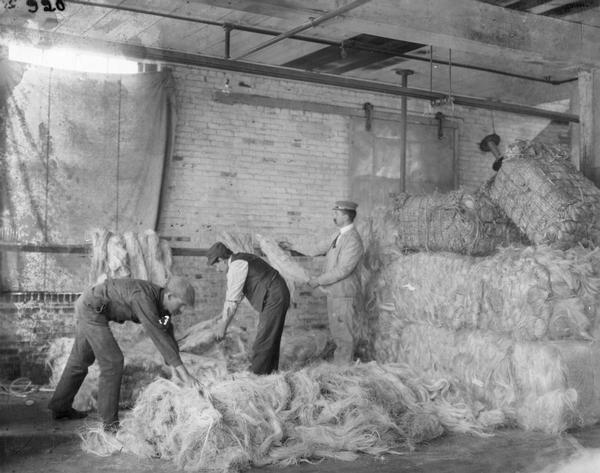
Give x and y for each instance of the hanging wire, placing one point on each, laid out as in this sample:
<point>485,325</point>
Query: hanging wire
<point>493,124</point>
<point>47,190</point>
<point>118,157</point>
<point>449,72</point>
<point>430,68</point>
<point>450,98</point>
<point>431,102</point>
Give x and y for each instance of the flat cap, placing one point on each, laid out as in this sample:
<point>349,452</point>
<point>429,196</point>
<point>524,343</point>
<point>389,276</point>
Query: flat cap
<point>216,252</point>
<point>345,205</point>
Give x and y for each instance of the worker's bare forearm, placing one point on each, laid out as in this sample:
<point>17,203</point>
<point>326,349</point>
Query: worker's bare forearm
<point>229,310</point>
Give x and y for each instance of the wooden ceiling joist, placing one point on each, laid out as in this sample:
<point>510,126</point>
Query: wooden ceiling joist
<point>465,25</point>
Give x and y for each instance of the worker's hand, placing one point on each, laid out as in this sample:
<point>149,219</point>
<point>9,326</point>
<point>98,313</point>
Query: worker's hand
<point>175,376</point>
<point>312,282</point>
<point>182,376</point>
<point>220,331</point>
<point>285,245</point>
<point>192,382</point>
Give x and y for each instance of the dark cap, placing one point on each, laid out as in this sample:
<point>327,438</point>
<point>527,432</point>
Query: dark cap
<point>216,252</point>
<point>345,205</point>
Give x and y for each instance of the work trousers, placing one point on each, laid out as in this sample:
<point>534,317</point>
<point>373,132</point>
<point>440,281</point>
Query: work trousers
<point>265,350</point>
<point>93,341</point>
<point>341,312</point>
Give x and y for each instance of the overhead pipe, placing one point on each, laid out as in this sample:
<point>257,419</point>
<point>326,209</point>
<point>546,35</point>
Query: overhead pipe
<point>348,44</point>
<point>176,57</point>
<point>311,24</point>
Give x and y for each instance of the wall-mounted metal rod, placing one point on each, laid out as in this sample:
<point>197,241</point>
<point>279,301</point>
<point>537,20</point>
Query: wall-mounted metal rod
<point>404,128</point>
<point>228,29</point>
<point>348,44</point>
<point>311,24</point>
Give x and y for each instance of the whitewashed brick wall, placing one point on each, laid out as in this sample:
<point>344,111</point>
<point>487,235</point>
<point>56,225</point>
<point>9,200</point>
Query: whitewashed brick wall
<point>255,168</point>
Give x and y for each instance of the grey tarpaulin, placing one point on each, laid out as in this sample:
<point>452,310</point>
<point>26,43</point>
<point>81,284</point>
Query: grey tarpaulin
<point>82,151</point>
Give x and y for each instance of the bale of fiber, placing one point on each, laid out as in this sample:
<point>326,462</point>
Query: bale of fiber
<point>530,293</point>
<point>549,386</point>
<point>548,199</point>
<point>456,221</point>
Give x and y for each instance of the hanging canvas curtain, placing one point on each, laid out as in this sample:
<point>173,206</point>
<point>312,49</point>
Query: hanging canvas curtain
<point>80,151</point>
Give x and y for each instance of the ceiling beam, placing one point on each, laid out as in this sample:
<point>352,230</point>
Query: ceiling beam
<point>466,25</point>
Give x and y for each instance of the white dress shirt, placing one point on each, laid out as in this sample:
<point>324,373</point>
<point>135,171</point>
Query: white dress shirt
<point>236,277</point>
<point>342,231</point>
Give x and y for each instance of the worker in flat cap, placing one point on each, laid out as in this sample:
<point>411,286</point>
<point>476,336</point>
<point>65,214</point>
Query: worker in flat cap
<point>340,279</point>
<point>250,276</point>
<point>120,300</point>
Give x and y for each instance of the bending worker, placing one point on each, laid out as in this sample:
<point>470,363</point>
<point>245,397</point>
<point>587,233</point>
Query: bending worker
<point>119,300</point>
<point>250,276</point>
<point>340,279</point>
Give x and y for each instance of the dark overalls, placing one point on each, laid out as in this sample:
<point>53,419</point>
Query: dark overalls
<point>268,293</point>
<point>115,300</point>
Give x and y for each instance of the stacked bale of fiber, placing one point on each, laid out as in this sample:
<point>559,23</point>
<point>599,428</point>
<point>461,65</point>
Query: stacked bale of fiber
<point>322,411</point>
<point>456,221</point>
<point>547,198</point>
<point>549,386</point>
<point>475,318</point>
<point>531,293</point>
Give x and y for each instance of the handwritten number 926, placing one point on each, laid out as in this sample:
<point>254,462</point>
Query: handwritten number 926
<point>47,4</point>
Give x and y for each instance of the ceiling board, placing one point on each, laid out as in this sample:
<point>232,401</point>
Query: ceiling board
<point>483,34</point>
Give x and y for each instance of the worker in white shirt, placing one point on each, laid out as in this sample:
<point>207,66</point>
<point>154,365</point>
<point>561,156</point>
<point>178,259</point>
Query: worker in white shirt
<point>250,276</point>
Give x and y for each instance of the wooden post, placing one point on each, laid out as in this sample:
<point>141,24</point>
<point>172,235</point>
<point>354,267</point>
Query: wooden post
<point>589,124</point>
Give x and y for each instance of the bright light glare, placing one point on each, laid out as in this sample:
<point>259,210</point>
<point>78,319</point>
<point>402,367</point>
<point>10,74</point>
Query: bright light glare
<point>73,60</point>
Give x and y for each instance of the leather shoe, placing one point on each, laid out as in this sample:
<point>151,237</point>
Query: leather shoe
<point>68,414</point>
<point>112,427</point>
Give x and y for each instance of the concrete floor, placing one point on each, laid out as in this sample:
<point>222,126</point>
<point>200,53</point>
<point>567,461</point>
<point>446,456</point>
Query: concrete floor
<point>30,441</point>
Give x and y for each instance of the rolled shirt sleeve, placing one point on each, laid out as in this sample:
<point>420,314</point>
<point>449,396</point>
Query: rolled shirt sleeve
<point>236,278</point>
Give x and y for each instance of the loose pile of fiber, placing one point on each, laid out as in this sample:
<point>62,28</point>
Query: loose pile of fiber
<point>140,256</point>
<point>322,411</point>
<point>531,293</point>
<point>457,221</point>
<point>547,198</point>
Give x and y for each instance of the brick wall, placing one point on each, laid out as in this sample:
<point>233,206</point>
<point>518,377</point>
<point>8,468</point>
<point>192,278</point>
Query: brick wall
<point>28,323</point>
<point>260,167</point>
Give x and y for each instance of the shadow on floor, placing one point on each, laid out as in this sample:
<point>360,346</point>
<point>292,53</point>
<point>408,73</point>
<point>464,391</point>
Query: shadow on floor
<point>30,441</point>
